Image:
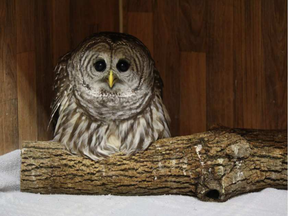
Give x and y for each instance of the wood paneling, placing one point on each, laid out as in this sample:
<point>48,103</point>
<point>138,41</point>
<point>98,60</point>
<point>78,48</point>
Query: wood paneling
<point>33,35</point>
<point>220,74</point>
<point>8,77</point>
<point>138,5</point>
<point>141,26</point>
<point>192,116</point>
<point>274,79</point>
<point>248,64</point>
<point>106,15</point>
<point>240,69</point>
<point>2,74</point>
<point>27,102</point>
<point>44,66</point>
<point>245,49</point>
<point>192,25</point>
<point>90,16</point>
<point>167,56</point>
<point>222,61</point>
<point>25,16</point>
<point>61,28</point>
<point>26,76</point>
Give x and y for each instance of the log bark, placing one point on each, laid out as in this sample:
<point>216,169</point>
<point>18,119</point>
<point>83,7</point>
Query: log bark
<point>213,166</point>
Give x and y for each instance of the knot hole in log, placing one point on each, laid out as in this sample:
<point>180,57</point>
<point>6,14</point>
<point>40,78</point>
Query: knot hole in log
<point>213,194</point>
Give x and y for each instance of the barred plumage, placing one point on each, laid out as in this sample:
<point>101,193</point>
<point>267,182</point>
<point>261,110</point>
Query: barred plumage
<point>108,97</point>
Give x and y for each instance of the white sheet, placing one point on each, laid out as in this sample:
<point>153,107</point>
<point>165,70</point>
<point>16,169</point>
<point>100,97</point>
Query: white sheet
<point>269,202</point>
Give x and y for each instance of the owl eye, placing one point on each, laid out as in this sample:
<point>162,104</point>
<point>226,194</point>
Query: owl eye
<point>100,65</point>
<point>122,65</point>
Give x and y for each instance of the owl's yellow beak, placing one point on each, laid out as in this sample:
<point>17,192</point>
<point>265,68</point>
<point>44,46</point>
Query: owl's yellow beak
<point>111,79</point>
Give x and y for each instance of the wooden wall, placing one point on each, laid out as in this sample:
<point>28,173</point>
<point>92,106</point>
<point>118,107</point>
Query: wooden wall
<point>34,34</point>
<point>222,61</point>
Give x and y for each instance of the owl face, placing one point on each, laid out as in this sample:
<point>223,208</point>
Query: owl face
<point>111,69</point>
<point>111,72</point>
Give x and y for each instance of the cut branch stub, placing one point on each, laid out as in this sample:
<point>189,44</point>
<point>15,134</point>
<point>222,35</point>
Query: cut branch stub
<point>213,166</point>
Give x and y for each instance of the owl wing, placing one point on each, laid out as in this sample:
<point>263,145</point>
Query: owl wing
<point>61,85</point>
<point>158,81</point>
<point>159,86</point>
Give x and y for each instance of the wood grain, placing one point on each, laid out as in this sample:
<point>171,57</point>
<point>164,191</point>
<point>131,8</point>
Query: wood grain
<point>44,67</point>
<point>79,19</point>
<point>248,64</point>
<point>2,99</point>
<point>140,25</point>
<point>90,16</point>
<point>192,93</point>
<point>167,56</point>
<point>8,78</point>
<point>274,83</point>
<point>138,5</point>
<point>27,101</point>
<point>26,73</point>
<point>242,83</point>
<point>239,59</point>
<point>106,14</point>
<point>214,166</point>
<point>25,17</point>
<point>220,74</point>
<point>39,32</point>
<point>244,43</point>
<point>192,25</point>
<point>61,28</point>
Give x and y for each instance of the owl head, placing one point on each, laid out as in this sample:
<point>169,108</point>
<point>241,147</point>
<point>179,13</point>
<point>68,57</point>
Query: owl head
<point>112,75</point>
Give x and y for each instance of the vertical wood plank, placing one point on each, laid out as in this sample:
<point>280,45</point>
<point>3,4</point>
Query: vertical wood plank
<point>137,21</point>
<point>2,99</point>
<point>44,66</point>
<point>274,94</point>
<point>192,93</point>
<point>220,80</point>
<point>134,6</point>
<point>167,56</point>
<point>25,15</point>
<point>140,25</point>
<point>26,76</point>
<point>27,103</point>
<point>239,62</point>
<point>248,64</point>
<point>192,25</point>
<point>138,5</point>
<point>79,21</point>
<point>61,28</point>
<point>8,78</point>
<point>259,68</point>
<point>89,16</point>
<point>105,15</point>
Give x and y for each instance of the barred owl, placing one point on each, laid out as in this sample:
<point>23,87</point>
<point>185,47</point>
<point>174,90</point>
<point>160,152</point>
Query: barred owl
<point>108,97</point>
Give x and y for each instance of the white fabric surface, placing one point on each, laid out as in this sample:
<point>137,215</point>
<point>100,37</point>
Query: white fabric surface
<point>269,202</point>
<point>10,171</point>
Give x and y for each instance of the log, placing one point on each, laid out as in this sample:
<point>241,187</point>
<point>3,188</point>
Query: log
<point>213,166</point>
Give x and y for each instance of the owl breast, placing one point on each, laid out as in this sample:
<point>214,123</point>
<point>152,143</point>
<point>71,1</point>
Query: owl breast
<point>98,139</point>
